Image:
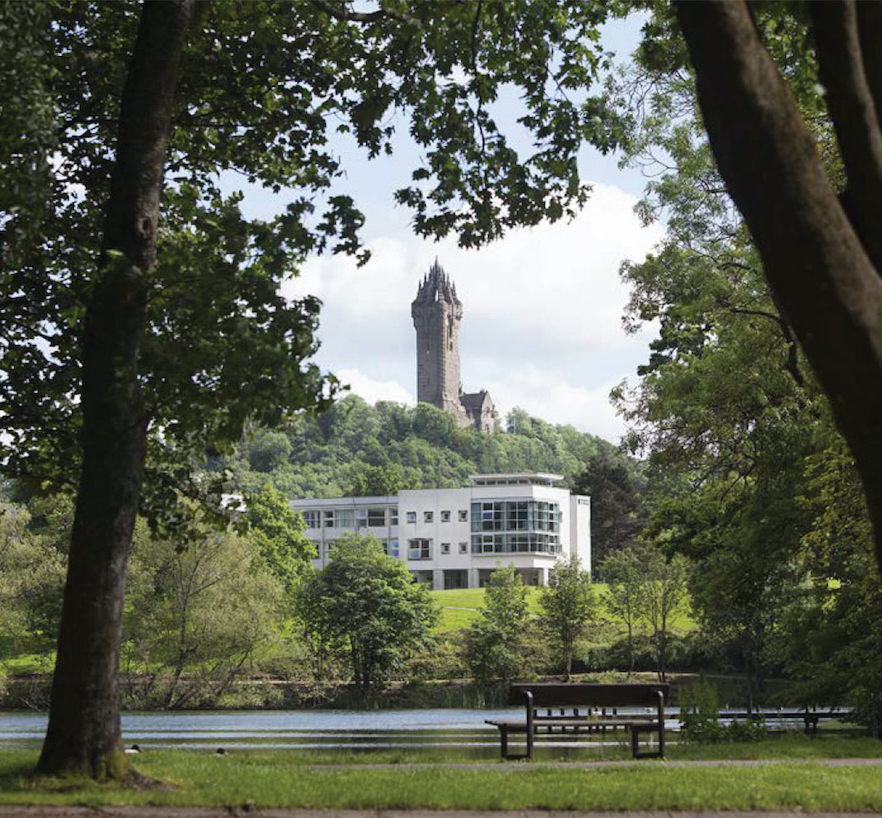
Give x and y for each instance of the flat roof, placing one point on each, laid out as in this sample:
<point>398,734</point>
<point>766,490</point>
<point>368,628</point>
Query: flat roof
<point>318,502</point>
<point>516,478</point>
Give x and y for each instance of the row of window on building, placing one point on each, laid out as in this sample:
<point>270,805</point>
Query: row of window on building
<point>497,515</point>
<point>421,548</point>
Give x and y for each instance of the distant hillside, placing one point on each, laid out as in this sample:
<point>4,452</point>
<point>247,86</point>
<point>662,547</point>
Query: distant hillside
<point>358,449</point>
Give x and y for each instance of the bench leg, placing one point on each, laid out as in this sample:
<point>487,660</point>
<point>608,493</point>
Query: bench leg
<point>635,744</point>
<point>529,744</point>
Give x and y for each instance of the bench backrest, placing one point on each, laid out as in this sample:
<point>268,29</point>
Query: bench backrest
<point>546,694</point>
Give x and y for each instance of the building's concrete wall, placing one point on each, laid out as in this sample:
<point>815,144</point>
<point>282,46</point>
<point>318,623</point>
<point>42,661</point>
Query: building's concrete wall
<point>580,529</point>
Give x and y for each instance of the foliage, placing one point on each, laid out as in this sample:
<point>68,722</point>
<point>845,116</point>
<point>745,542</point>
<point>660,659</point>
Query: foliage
<point>830,631</point>
<point>726,409</point>
<point>624,594</point>
<point>377,481</point>
<point>618,512</point>
<point>195,617</point>
<point>700,718</point>
<point>366,605</point>
<point>648,588</point>
<point>277,531</point>
<point>222,345</point>
<point>355,449</point>
<point>568,605</point>
<point>663,595</point>
<point>31,580</point>
<point>494,648</point>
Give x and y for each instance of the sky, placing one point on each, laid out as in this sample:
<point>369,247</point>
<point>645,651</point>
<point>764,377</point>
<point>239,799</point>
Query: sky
<point>542,307</point>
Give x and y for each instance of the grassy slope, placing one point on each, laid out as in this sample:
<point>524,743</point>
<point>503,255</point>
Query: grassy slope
<point>461,607</point>
<point>281,779</point>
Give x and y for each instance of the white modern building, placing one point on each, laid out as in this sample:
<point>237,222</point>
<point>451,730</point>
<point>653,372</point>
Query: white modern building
<point>455,538</point>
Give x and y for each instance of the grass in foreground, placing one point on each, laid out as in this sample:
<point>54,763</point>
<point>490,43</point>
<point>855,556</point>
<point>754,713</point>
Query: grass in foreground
<point>283,779</point>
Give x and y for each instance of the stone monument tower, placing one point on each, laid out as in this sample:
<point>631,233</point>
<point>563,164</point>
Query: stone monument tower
<point>436,313</point>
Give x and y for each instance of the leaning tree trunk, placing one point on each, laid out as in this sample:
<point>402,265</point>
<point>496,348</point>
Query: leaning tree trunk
<point>821,255</point>
<point>84,727</point>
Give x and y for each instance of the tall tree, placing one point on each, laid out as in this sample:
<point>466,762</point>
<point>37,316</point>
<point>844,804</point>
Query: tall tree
<point>663,597</point>
<point>366,604</point>
<point>820,249</point>
<point>134,340</point>
<point>568,605</point>
<point>277,531</point>
<point>727,408</point>
<point>623,570</point>
<point>115,419</point>
<point>618,512</point>
<point>493,643</point>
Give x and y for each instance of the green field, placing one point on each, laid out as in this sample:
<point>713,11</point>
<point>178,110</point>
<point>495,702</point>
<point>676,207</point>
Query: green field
<point>460,608</point>
<point>791,779</point>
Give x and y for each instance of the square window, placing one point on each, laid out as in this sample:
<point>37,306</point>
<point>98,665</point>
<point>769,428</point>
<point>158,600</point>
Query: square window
<point>463,515</point>
<point>463,548</point>
<point>445,516</point>
<point>428,516</point>
<point>393,516</point>
<point>411,516</point>
<point>419,549</point>
<point>445,548</point>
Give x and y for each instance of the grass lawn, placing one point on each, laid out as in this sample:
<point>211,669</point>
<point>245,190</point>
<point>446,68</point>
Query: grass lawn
<point>282,779</point>
<point>459,608</point>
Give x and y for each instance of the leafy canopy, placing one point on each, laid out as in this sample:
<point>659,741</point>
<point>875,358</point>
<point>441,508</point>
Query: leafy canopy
<point>365,605</point>
<point>263,88</point>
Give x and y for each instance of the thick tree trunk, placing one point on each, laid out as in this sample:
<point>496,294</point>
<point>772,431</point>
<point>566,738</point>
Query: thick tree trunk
<point>84,728</point>
<point>818,267</point>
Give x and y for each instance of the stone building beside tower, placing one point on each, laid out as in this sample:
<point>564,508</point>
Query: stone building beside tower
<point>436,313</point>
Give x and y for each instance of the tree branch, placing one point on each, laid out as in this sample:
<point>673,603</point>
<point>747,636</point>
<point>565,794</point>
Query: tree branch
<point>854,116</point>
<point>818,269</point>
<point>869,14</point>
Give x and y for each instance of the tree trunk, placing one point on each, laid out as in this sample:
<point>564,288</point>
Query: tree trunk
<point>84,727</point>
<point>817,259</point>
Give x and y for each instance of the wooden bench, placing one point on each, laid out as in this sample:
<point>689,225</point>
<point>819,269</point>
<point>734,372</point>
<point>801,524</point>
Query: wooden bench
<point>585,708</point>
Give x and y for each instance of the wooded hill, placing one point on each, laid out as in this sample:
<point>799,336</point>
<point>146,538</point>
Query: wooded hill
<point>359,449</point>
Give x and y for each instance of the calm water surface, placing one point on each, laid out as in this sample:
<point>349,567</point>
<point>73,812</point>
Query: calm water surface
<point>293,729</point>
<point>322,729</point>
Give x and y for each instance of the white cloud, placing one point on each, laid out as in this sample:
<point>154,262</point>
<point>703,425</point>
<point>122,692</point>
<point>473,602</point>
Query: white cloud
<point>554,399</point>
<point>373,391</point>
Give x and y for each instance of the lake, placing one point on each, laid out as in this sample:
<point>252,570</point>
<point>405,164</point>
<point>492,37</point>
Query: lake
<point>329,729</point>
<point>303,729</point>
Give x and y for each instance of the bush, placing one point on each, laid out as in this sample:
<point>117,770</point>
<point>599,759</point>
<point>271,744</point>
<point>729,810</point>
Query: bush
<point>700,718</point>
